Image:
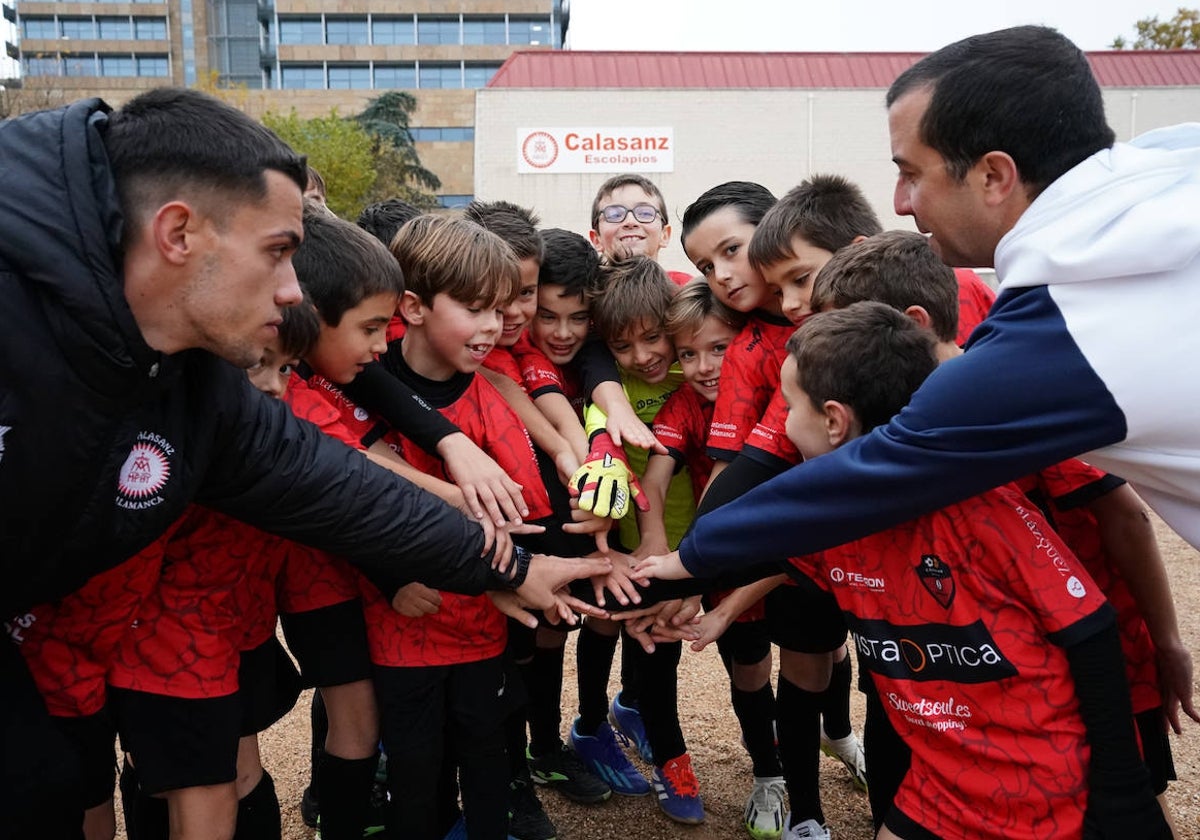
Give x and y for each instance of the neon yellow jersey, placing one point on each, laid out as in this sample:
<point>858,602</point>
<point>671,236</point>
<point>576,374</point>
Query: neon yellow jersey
<point>646,399</point>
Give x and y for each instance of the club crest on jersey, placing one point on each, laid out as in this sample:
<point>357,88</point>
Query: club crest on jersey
<point>145,472</point>
<point>937,578</point>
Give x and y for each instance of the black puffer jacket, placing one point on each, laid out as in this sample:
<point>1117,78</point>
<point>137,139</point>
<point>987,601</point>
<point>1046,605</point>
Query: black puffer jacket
<point>104,441</point>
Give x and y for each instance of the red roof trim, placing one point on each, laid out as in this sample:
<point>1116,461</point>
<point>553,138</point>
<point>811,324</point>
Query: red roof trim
<point>590,69</point>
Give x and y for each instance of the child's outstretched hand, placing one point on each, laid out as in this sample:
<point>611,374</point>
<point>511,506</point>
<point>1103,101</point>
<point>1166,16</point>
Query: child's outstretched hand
<point>660,567</point>
<point>711,626</point>
<point>617,582</point>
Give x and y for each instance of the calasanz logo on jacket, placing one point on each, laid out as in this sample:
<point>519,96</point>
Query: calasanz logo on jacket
<point>145,472</point>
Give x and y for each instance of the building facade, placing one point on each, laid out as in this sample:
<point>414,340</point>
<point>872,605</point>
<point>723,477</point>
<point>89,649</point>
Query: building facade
<point>310,55</point>
<point>551,127</point>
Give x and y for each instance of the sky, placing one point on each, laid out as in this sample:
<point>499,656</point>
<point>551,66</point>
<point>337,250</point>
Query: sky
<point>843,25</point>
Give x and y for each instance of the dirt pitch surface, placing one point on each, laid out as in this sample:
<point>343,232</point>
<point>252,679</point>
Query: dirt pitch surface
<point>722,765</point>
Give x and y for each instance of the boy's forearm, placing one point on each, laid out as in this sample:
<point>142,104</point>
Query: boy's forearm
<point>556,408</point>
<point>744,597</point>
<point>655,480</point>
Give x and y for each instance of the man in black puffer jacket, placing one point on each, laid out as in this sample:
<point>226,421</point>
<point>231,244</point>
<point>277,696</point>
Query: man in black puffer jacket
<point>145,256</point>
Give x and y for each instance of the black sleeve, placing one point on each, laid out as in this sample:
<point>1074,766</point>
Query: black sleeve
<point>377,390</point>
<point>1121,800</point>
<point>742,475</point>
<point>595,365</point>
<point>282,475</point>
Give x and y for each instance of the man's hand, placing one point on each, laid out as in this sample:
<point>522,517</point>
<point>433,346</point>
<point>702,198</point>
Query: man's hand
<point>548,574</point>
<point>604,484</point>
<point>488,490</point>
<point>416,600</point>
<point>660,567</point>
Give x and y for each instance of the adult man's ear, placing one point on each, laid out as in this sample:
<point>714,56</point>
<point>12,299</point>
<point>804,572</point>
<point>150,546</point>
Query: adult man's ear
<point>173,230</point>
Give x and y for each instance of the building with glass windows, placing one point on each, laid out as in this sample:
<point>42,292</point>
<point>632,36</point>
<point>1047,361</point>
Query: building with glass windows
<point>310,55</point>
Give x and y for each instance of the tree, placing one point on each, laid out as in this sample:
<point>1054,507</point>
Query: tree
<point>1181,32</point>
<point>339,149</point>
<point>401,175</point>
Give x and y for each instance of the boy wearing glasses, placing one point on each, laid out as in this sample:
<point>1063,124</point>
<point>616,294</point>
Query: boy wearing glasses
<point>629,218</point>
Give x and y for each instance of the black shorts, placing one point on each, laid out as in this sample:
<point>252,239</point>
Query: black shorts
<point>176,742</point>
<point>1156,748</point>
<point>745,642</point>
<point>94,739</point>
<point>330,643</point>
<point>268,686</point>
<point>805,618</point>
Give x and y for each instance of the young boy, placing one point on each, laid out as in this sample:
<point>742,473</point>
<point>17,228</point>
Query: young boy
<point>629,315</point>
<point>998,674</point>
<point>1096,514</point>
<point>718,228</point>
<point>629,219</point>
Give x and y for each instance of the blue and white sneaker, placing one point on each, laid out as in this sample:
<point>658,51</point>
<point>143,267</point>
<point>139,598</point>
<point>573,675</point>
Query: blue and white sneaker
<point>627,720</point>
<point>678,790</point>
<point>458,831</point>
<point>604,758</point>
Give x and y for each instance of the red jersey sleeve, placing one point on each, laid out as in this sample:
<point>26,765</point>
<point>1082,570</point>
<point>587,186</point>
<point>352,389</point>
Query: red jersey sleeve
<point>682,426</point>
<point>768,442</point>
<point>749,377</point>
<point>975,298</point>
<point>313,401</point>
<point>502,361</point>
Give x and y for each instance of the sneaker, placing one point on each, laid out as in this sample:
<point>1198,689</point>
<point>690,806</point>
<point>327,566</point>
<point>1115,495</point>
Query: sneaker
<point>849,751</point>
<point>807,830</point>
<point>627,721</point>
<point>527,818</point>
<point>563,771</point>
<point>765,808</point>
<point>309,809</point>
<point>679,791</point>
<point>604,758</point>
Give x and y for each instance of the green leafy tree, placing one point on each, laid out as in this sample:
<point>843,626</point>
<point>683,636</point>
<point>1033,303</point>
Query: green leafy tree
<point>340,149</point>
<point>1181,32</point>
<point>401,175</point>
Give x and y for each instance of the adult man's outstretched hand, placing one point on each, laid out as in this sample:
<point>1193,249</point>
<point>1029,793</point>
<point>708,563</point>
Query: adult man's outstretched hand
<point>545,587</point>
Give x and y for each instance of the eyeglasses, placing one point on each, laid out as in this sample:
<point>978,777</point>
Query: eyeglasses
<point>614,214</point>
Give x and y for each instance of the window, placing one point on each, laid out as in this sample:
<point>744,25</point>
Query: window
<point>395,76</point>
<point>77,27</point>
<point>483,30</point>
<point>529,31</point>
<point>115,28</point>
<point>346,30</point>
<point>79,65</point>
<point>392,30</point>
<point>446,134</point>
<point>347,76</point>
<point>38,28</point>
<point>117,65</point>
<point>478,75</point>
<point>300,31</point>
<point>439,76</point>
<point>437,30</point>
<point>152,65</point>
<point>43,67</point>
<point>302,76</point>
<point>150,29</point>
<point>455,200</point>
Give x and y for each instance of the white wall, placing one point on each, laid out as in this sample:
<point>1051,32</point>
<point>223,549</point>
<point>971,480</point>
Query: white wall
<point>777,137</point>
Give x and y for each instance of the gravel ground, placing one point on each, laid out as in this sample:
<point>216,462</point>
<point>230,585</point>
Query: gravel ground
<point>722,765</point>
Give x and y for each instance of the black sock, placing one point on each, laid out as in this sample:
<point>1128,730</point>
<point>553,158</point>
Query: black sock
<point>544,677</point>
<point>515,742</point>
<point>146,816</point>
<point>320,729</point>
<point>658,674</point>
<point>835,702</point>
<point>755,712</point>
<point>630,689</point>
<point>798,715</point>
<point>344,791</point>
<point>258,812</point>
<point>594,656</point>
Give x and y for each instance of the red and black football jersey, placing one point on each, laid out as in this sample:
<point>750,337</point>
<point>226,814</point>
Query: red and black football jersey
<point>975,299</point>
<point>768,441</point>
<point>502,360</point>
<point>749,377</point>
<point>681,425</point>
<point>960,617</point>
<point>542,376</point>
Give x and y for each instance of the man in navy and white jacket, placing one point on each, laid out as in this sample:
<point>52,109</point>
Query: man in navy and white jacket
<point>1091,348</point>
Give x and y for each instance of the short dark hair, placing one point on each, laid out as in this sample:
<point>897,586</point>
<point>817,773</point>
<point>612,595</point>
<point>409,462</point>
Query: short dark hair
<point>751,200</point>
<point>168,140</point>
<point>514,224</point>
<point>897,268</point>
<point>570,262</point>
<point>616,182</point>
<point>827,211</point>
<point>1026,91</point>
<point>300,329</point>
<point>635,290</point>
<point>456,257</point>
<point>316,182</point>
<point>383,219</point>
<point>340,265</point>
<point>867,356</point>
